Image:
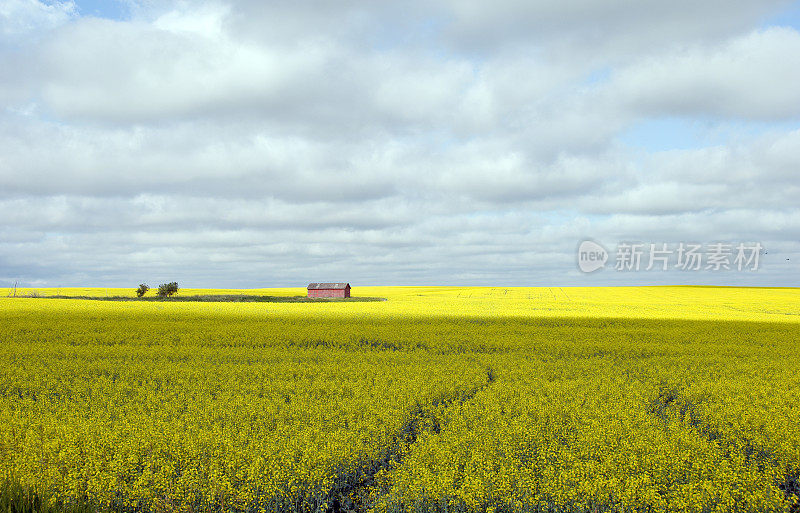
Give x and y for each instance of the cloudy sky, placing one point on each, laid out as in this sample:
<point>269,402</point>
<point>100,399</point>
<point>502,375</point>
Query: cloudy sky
<point>254,144</point>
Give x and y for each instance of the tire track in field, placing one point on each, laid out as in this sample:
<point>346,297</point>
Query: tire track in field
<point>351,492</point>
<point>670,399</point>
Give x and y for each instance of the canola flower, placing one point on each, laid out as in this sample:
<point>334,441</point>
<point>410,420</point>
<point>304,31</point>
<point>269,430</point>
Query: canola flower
<point>440,398</point>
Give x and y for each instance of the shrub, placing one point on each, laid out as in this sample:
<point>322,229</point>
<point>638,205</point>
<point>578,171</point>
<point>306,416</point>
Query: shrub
<point>142,290</point>
<point>167,289</point>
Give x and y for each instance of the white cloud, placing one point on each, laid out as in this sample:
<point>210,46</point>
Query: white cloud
<point>750,77</point>
<point>31,18</point>
<point>121,72</point>
<point>612,29</point>
<point>445,142</point>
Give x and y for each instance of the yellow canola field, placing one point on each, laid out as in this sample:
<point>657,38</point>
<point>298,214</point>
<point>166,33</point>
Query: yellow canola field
<point>437,399</point>
<point>680,302</point>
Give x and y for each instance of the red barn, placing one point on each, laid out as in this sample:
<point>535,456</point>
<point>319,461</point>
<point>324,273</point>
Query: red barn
<point>328,290</point>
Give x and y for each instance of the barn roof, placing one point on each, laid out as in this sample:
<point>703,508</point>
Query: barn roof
<point>326,286</point>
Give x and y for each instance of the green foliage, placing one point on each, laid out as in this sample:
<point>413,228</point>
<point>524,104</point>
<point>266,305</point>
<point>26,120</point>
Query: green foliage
<point>167,289</point>
<point>142,290</point>
<point>14,498</point>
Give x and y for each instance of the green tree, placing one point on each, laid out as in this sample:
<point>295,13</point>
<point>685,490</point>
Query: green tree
<point>167,289</point>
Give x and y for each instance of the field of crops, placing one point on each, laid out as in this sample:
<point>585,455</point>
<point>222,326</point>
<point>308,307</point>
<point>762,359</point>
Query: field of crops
<point>438,399</point>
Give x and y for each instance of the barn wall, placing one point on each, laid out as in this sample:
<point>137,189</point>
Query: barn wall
<point>328,293</point>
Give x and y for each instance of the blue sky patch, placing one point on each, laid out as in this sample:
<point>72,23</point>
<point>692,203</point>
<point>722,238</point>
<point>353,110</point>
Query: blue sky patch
<point>789,17</point>
<point>109,9</point>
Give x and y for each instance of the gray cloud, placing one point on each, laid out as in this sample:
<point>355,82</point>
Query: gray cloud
<point>613,29</point>
<point>748,77</point>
